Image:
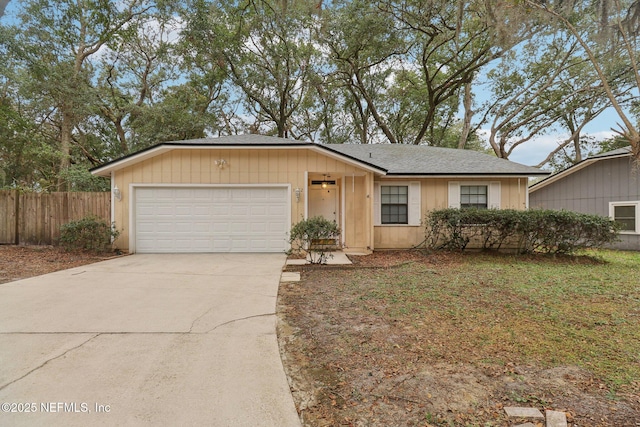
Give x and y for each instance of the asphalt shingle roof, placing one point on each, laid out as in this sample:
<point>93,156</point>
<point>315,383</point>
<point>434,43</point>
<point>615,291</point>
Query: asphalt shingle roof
<point>395,159</point>
<point>617,152</point>
<point>401,159</point>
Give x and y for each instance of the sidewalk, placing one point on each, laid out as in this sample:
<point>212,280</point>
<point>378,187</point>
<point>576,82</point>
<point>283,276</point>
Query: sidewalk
<point>335,258</point>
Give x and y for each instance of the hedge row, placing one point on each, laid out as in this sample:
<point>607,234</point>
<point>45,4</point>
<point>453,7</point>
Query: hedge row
<point>546,231</point>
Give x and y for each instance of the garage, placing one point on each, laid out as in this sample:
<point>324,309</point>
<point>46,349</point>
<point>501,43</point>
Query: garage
<point>211,219</point>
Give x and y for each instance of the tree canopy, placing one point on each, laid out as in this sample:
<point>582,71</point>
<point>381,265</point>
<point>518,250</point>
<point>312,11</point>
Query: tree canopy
<point>84,82</point>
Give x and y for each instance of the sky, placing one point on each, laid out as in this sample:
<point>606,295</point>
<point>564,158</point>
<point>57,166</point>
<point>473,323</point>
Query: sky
<point>530,153</point>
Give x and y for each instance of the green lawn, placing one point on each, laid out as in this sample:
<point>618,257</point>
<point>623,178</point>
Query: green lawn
<point>487,308</point>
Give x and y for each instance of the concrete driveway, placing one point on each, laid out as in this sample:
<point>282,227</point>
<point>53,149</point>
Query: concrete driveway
<point>146,340</point>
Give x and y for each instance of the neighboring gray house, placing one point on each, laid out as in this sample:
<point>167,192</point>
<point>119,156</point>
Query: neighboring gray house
<point>605,184</point>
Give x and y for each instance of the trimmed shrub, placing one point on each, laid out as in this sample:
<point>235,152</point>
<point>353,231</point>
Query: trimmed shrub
<point>546,231</point>
<point>315,237</point>
<point>89,233</point>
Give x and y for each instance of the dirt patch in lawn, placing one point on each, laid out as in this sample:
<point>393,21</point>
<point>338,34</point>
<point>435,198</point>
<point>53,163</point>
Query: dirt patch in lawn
<point>21,262</point>
<point>355,358</point>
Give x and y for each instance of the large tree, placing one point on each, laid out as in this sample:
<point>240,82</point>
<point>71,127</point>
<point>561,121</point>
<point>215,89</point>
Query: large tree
<point>540,88</point>
<point>608,33</point>
<point>266,49</point>
<point>26,152</point>
<point>82,82</point>
<point>151,90</point>
<point>450,43</point>
<point>55,43</point>
<point>365,50</point>
<point>406,66</point>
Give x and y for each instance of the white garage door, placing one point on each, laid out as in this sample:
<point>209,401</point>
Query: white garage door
<point>220,219</point>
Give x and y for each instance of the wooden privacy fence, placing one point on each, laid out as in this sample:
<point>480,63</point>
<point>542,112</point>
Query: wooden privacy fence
<point>35,218</point>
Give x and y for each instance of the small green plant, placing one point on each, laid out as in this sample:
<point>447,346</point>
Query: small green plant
<point>316,237</point>
<point>89,233</point>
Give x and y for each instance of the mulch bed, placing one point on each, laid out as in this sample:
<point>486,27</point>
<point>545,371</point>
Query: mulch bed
<point>21,262</point>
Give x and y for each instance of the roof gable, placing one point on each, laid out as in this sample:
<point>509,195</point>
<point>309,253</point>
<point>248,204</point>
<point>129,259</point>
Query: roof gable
<point>620,152</point>
<point>237,141</point>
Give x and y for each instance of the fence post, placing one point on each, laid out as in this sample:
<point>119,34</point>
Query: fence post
<point>16,223</point>
<point>8,212</point>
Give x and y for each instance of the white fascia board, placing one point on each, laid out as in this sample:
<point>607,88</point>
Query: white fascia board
<point>456,177</point>
<point>345,159</point>
<point>135,158</point>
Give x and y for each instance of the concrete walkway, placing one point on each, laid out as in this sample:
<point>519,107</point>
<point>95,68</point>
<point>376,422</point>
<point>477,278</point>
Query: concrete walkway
<point>334,258</point>
<point>146,340</point>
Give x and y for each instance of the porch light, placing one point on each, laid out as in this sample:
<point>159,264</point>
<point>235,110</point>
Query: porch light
<point>298,193</point>
<point>116,193</point>
<point>325,183</point>
<point>221,163</point>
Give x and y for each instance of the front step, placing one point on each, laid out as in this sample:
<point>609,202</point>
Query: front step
<point>326,245</point>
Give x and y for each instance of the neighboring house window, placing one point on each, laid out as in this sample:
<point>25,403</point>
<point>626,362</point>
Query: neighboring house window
<point>625,214</point>
<point>397,203</point>
<point>474,196</point>
<point>394,204</point>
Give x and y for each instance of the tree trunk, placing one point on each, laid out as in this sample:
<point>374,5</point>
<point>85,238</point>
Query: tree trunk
<point>66,129</point>
<point>576,140</point>
<point>468,114</point>
<point>374,111</point>
<point>122,137</point>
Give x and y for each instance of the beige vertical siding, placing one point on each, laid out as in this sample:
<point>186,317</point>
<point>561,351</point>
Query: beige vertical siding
<point>288,166</point>
<point>514,193</point>
<point>356,232</point>
<point>397,236</point>
<point>249,166</point>
<point>435,195</point>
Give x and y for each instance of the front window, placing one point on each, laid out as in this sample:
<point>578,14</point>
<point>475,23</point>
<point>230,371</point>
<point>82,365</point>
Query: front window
<point>394,204</point>
<point>626,215</point>
<point>473,196</point>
